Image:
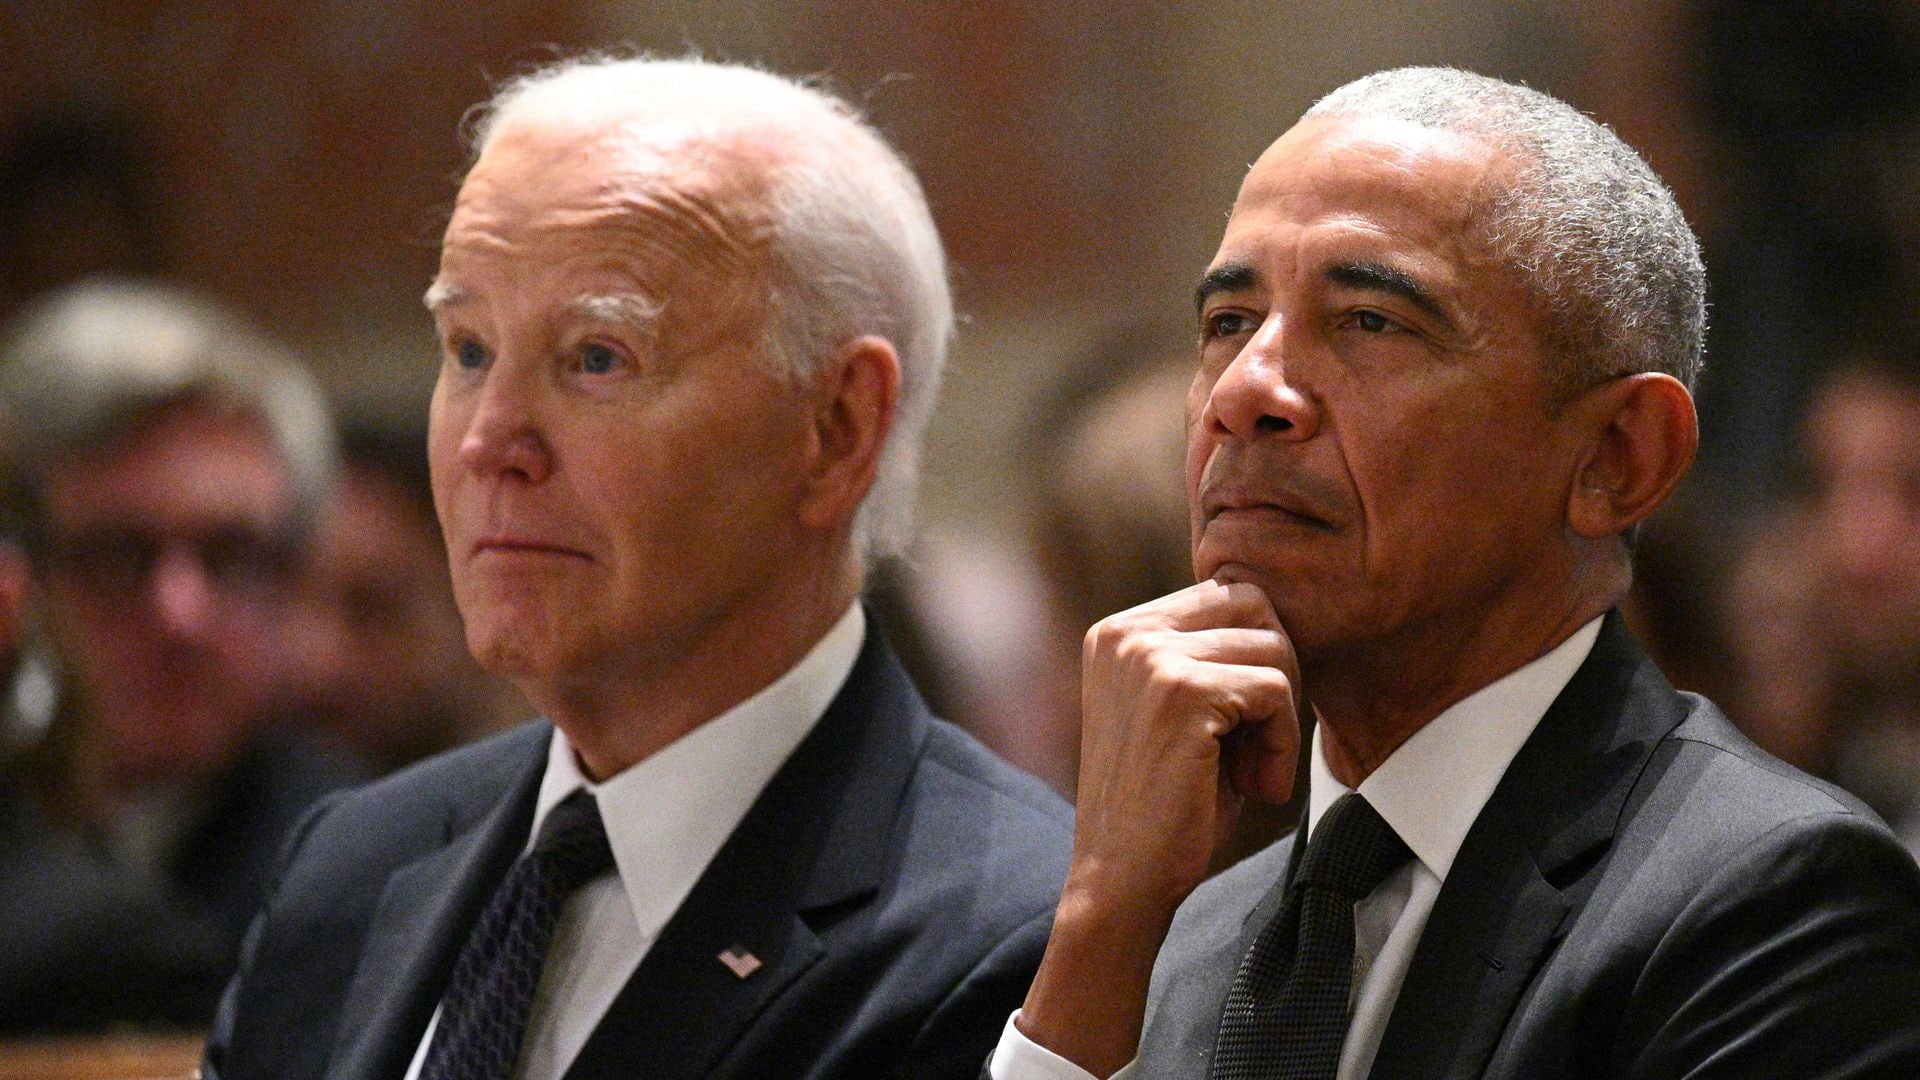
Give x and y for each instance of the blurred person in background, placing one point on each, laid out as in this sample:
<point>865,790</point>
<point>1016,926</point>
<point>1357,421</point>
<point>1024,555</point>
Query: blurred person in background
<point>1861,530</point>
<point>15,586</point>
<point>383,657</point>
<point>166,467</point>
<point>1109,519</point>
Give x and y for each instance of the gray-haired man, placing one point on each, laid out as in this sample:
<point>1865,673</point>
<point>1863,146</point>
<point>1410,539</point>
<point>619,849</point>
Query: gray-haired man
<point>1445,351</point>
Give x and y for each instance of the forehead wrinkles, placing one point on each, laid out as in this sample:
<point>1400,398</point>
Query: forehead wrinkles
<point>1432,198</point>
<point>693,209</point>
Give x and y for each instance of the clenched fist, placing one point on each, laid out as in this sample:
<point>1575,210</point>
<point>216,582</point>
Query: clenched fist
<point>1189,704</point>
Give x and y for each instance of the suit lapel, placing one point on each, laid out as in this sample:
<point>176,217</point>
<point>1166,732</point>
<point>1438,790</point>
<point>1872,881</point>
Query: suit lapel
<point>1525,866</point>
<point>424,915</point>
<point>808,853</point>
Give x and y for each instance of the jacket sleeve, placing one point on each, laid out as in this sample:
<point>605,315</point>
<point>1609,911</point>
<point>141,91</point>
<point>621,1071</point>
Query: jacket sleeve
<point>960,1034</point>
<point>221,1060</point>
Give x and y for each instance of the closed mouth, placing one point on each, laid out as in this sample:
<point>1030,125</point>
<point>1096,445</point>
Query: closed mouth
<point>510,545</point>
<point>1280,509</point>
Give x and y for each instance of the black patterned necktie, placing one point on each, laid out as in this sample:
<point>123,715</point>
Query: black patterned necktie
<point>483,1016</point>
<point>1286,1014</point>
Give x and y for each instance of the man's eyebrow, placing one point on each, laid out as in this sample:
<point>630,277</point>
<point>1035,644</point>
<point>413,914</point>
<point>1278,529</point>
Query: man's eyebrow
<point>442,294</point>
<point>631,308</point>
<point>1227,277</point>
<point>1379,277</point>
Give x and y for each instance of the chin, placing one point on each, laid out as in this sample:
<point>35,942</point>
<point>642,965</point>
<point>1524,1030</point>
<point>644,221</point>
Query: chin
<point>514,652</point>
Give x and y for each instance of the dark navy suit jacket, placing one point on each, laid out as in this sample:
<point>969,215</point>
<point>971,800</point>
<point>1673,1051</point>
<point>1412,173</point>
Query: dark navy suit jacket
<point>896,880</point>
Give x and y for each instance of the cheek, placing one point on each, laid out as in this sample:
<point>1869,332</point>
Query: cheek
<point>97,643</point>
<point>446,425</point>
<point>1199,447</point>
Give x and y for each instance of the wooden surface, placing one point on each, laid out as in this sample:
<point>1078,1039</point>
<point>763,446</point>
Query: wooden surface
<point>116,1057</point>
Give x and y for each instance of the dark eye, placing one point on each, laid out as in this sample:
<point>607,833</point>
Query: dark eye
<point>470,354</point>
<point>1371,321</point>
<point>1227,324</point>
<point>597,359</point>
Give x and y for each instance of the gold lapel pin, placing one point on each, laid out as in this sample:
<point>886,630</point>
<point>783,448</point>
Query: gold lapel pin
<point>739,961</point>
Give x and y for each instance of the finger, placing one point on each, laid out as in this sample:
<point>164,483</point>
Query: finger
<point>1202,606</point>
<point>1239,645</point>
<point>1238,603</point>
<point>1245,694</point>
<point>1263,759</point>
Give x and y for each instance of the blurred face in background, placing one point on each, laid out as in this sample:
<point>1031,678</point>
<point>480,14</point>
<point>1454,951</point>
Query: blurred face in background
<point>165,582</point>
<point>384,658</point>
<point>1863,459</point>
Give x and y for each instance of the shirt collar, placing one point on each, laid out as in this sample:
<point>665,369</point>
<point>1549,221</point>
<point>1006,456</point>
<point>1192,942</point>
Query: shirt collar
<point>668,815</point>
<point>1433,786</point>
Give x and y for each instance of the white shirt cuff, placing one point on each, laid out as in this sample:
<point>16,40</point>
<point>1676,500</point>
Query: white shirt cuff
<point>1020,1058</point>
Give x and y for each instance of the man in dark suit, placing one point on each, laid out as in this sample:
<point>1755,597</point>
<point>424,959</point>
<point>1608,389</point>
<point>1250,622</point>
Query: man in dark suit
<point>1445,352</point>
<point>691,318</point>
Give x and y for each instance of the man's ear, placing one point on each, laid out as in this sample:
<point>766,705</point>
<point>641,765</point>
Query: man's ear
<point>1640,434</point>
<point>853,406</point>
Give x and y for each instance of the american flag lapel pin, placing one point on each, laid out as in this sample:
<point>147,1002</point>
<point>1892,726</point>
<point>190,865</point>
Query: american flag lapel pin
<point>739,961</point>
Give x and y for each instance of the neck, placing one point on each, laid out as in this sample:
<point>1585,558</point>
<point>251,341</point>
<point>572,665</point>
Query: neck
<point>1372,698</point>
<point>616,719</point>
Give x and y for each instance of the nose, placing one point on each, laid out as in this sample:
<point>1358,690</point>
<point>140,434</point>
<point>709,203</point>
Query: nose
<point>503,435</point>
<point>182,597</point>
<point>1260,393</point>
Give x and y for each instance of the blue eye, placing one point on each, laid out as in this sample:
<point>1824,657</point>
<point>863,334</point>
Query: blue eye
<point>470,354</point>
<point>597,359</point>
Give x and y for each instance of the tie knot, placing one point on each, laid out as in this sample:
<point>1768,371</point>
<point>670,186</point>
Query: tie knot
<point>1352,850</point>
<point>573,840</point>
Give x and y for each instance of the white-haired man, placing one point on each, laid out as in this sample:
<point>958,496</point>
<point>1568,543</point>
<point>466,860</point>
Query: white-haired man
<point>1444,356</point>
<point>691,319</point>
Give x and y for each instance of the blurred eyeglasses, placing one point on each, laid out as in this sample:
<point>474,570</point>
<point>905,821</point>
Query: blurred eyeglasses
<point>236,561</point>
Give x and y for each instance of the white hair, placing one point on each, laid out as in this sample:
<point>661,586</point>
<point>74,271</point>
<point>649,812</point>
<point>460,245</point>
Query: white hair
<point>854,251</point>
<point>1595,235</point>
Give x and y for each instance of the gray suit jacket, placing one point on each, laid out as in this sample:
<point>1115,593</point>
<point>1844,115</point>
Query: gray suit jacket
<point>1647,894</point>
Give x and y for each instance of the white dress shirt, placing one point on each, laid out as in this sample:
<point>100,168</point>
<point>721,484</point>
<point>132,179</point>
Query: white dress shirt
<point>666,819</point>
<point>1429,790</point>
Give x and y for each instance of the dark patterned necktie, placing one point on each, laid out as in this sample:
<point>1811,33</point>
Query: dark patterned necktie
<point>1286,1014</point>
<point>484,1013</point>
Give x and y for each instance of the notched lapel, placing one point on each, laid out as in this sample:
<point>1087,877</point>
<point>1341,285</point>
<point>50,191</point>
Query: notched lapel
<point>1526,865</point>
<point>1475,959</point>
<point>809,853</point>
<point>425,913</point>
<point>684,1007</point>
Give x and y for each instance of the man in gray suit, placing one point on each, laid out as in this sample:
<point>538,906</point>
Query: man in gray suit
<point>1445,356</point>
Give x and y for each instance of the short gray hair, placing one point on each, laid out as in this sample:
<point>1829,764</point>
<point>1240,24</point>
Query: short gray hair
<point>91,362</point>
<point>1594,234</point>
<point>854,250</point>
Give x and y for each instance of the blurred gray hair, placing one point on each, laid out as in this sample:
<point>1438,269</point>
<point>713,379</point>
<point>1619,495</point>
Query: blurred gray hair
<point>854,249</point>
<point>1595,235</point>
<point>91,362</point>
